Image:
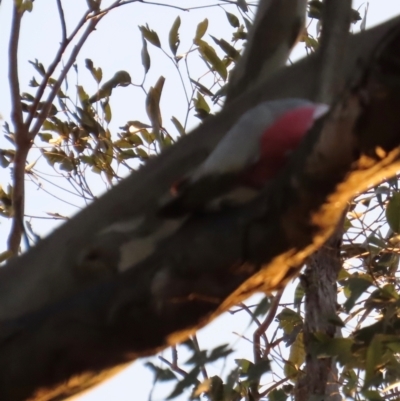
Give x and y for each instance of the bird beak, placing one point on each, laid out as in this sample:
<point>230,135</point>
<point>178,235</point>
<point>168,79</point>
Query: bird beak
<point>320,110</point>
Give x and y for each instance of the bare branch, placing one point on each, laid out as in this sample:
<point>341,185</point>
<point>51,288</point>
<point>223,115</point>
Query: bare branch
<point>16,113</point>
<point>62,21</point>
<point>258,355</point>
<point>21,137</point>
<point>49,101</point>
<point>50,71</point>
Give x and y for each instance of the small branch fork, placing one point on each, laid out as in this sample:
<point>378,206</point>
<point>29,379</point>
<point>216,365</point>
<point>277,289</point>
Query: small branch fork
<point>25,132</point>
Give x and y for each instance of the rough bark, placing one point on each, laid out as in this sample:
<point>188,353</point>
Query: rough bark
<point>320,379</point>
<point>61,327</point>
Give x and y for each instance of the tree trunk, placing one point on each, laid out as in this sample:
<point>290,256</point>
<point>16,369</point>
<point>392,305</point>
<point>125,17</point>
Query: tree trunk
<point>320,381</point>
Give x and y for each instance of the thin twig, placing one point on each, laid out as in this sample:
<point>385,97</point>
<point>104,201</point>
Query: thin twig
<point>274,386</point>
<point>202,368</point>
<point>173,367</point>
<point>254,318</point>
<point>51,69</point>
<point>264,326</point>
<point>74,54</point>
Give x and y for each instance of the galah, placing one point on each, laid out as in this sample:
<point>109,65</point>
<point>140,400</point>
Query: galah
<point>252,152</point>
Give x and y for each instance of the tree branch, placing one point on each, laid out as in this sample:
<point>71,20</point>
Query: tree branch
<point>62,21</point>
<point>277,25</point>
<point>21,136</point>
<point>16,114</point>
<point>62,321</point>
<point>336,17</point>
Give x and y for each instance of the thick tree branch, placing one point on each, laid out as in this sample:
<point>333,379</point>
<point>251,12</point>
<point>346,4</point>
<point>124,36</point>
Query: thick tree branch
<point>277,25</point>
<point>61,321</point>
<point>24,284</point>
<point>336,17</point>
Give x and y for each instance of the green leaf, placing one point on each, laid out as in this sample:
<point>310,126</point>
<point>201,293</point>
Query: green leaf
<point>393,212</point>
<point>5,255</point>
<point>55,155</point>
<point>315,9</point>
<point>160,374</point>
<point>299,294</point>
<point>136,140</point>
<point>227,48</point>
<point>4,162</point>
<point>255,371</point>
<point>147,136</point>
<point>311,43</point>
<point>45,137</point>
<point>83,96</point>
<point>200,31</point>
<point>96,72</point>
<point>242,5</point>
<point>27,5</point>
<point>189,380</point>
<point>126,154</point>
<point>277,395</point>
<point>38,67</point>
<point>373,395</point>
<point>373,363</point>
<point>150,35</point>
<point>288,320</point>
<point>354,287</point>
<point>136,124</point>
<point>341,348</point>
<point>120,78</point>
<point>297,357</point>
<point>178,126</point>
<point>146,62</point>
<point>248,24</point>
<point>243,364</point>
<point>219,352</point>
<point>210,55</point>
<point>173,37</point>
<point>107,111</point>
<point>203,89</point>
<point>142,153</point>
<point>153,103</point>
<point>201,106</point>
<point>200,103</point>
<point>123,144</point>
<point>262,307</point>
<point>233,20</point>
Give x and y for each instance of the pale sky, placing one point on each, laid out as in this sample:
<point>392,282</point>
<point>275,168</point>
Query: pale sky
<point>116,45</point>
